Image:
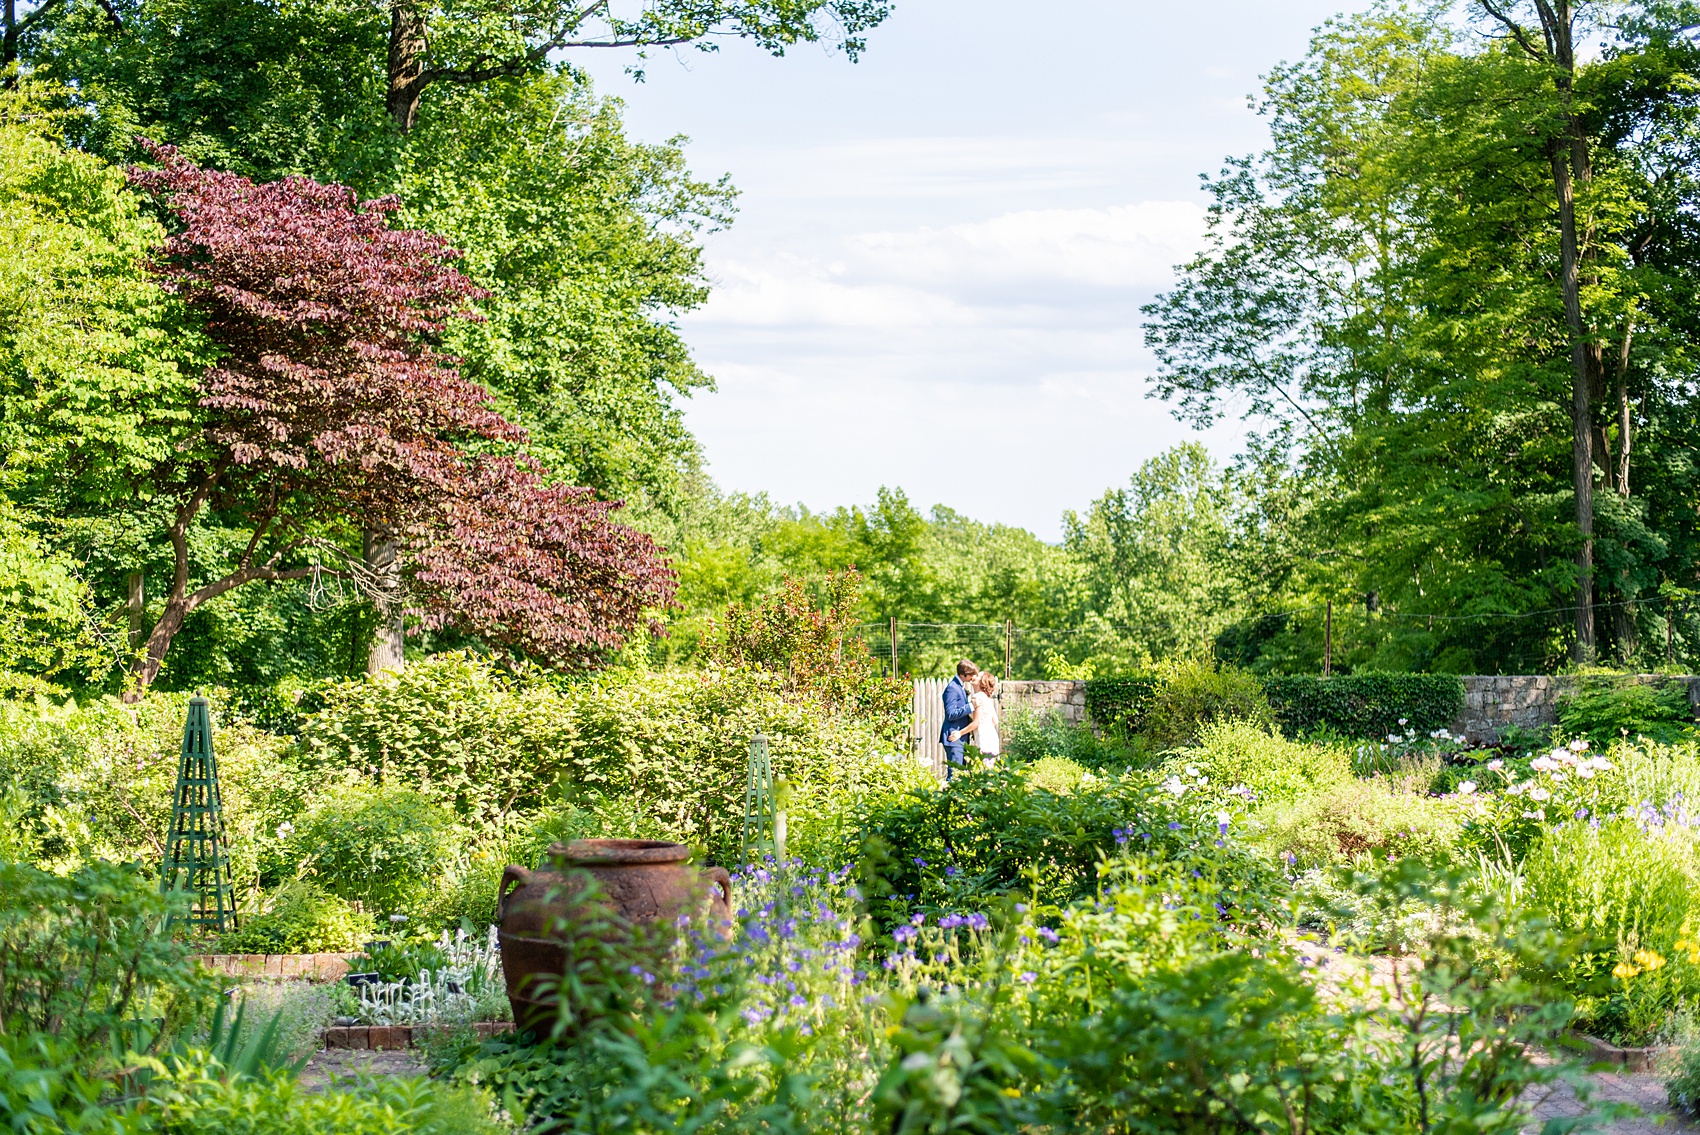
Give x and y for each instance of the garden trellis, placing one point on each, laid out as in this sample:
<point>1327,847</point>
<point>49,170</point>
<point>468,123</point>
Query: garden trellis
<point>196,858</point>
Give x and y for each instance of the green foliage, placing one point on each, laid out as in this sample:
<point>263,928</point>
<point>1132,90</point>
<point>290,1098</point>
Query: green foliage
<point>1338,822</point>
<point>1365,705</point>
<point>475,739</point>
<point>1628,888</point>
<point>88,959</point>
<point>1682,1075</point>
<point>399,962</point>
<point>816,653</point>
<point>200,1097</point>
<point>1603,709</point>
<point>996,832</point>
<point>1193,695</point>
<point>1120,704</point>
<point>382,847</point>
<point>94,780</point>
<point>1241,755</point>
<point>46,1090</point>
<point>301,918</point>
<point>1030,737</point>
<point>664,752</point>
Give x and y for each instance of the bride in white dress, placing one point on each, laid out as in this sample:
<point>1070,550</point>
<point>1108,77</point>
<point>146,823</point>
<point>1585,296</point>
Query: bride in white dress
<point>984,725</point>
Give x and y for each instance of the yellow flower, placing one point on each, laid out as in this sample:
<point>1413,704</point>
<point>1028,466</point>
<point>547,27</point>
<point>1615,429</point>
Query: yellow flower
<point>1648,959</point>
<point>1624,970</point>
<point>1012,1093</point>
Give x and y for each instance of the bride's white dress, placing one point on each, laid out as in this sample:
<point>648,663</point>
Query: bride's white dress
<point>986,733</point>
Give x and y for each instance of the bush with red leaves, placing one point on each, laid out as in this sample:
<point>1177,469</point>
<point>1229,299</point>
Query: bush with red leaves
<point>329,411</point>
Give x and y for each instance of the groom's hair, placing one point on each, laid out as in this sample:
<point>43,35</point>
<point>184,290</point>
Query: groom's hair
<point>966,669</point>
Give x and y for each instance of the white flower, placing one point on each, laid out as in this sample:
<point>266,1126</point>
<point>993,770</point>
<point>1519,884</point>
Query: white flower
<point>1393,738</point>
<point>1580,745</point>
<point>1223,818</point>
<point>1495,765</point>
<point>1585,770</point>
<point>1404,721</point>
<point>1192,770</point>
<point>1516,788</point>
<point>1174,785</point>
<point>1601,764</point>
<point>1466,787</point>
<point>1538,793</point>
<point>285,830</point>
<point>1557,775</point>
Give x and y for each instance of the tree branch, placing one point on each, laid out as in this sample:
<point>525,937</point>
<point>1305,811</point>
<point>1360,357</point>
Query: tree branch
<point>1517,30</point>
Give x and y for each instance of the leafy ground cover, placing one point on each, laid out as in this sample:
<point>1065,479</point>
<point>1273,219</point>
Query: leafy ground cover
<point>931,956</point>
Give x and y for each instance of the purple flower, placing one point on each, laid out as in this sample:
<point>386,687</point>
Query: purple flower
<point>951,921</point>
<point>1048,934</point>
<point>1029,977</point>
<point>903,934</point>
<point>1174,825</point>
<point>950,872</point>
<point>977,921</point>
<point>1021,908</point>
<point>798,1001</point>
<point>919,862</point>
<point>918,920</point>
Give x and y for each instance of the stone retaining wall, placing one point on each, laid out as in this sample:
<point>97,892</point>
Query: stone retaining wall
<point>1529,701</point>
<point>1067,699</point>
<point>1491,702</point>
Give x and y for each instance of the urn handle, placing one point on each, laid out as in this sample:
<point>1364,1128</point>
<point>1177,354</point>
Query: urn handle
<point>722,879</point>
<point>513,876</point>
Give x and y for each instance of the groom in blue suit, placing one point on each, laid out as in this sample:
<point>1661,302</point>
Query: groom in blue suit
<point>958,712</point>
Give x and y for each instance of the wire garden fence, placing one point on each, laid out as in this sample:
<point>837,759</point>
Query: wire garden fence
<point>1648,634</point>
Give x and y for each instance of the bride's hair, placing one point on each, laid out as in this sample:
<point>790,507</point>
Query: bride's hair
<point>986,684</point>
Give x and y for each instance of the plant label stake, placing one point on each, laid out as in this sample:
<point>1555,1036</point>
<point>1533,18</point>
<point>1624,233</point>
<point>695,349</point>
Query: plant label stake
<point>195,857</point>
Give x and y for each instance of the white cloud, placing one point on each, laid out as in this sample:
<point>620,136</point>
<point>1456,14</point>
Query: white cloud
<point>1042,264</point>
<point>1122,246</point>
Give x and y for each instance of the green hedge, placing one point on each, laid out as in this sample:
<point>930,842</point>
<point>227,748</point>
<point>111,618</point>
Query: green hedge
<point>1119,703</point>
<point>1365,705</point>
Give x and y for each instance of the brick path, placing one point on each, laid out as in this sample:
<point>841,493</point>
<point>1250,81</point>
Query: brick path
<point>331,1064</point>
<point>1643,1089</point>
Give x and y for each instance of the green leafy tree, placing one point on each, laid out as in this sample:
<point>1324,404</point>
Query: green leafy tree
<point>1383,287</point>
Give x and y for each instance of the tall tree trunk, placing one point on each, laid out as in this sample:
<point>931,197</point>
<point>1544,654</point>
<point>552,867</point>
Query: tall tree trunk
<point>389,641</point>
<point>135,604</point>
<point>1581,410</point>
<point>408,47</point>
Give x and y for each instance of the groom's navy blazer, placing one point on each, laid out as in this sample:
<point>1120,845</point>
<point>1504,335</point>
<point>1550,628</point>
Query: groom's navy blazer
<point>958,709</point>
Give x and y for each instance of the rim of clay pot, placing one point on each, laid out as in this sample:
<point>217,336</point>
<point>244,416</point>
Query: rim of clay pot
<point>620,851</point>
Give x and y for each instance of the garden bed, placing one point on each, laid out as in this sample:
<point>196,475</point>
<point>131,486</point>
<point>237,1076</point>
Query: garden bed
<point>390,1037</point>
<point>1629,1059</point>
<point>313,967</point>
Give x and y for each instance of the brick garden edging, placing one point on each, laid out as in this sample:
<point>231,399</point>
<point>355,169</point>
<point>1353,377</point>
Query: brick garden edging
<point>314,967</point>
<point>380,1038</point>
<point>1629,1059</point>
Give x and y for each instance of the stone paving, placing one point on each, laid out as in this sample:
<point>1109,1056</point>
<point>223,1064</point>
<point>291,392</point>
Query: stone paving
<point>331,1064</point>
<point>1644,1090</point>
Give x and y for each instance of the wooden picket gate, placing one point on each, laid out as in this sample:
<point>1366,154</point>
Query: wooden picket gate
<point>928,717</point>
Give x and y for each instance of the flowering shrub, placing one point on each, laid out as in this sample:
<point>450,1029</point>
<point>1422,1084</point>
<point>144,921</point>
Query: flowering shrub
<point>1515,800</point>
<point>1141,1009</point>
<point>991,833</point>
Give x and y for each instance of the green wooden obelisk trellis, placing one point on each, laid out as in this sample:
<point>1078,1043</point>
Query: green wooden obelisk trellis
<point>764,806</point>
<point>195,857</point>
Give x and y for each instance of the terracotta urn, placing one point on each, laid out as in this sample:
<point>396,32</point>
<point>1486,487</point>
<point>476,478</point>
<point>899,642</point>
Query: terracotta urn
<point>639,882</point>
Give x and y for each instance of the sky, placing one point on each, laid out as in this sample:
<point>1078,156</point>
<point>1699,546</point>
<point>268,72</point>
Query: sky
<point>935,275</point>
